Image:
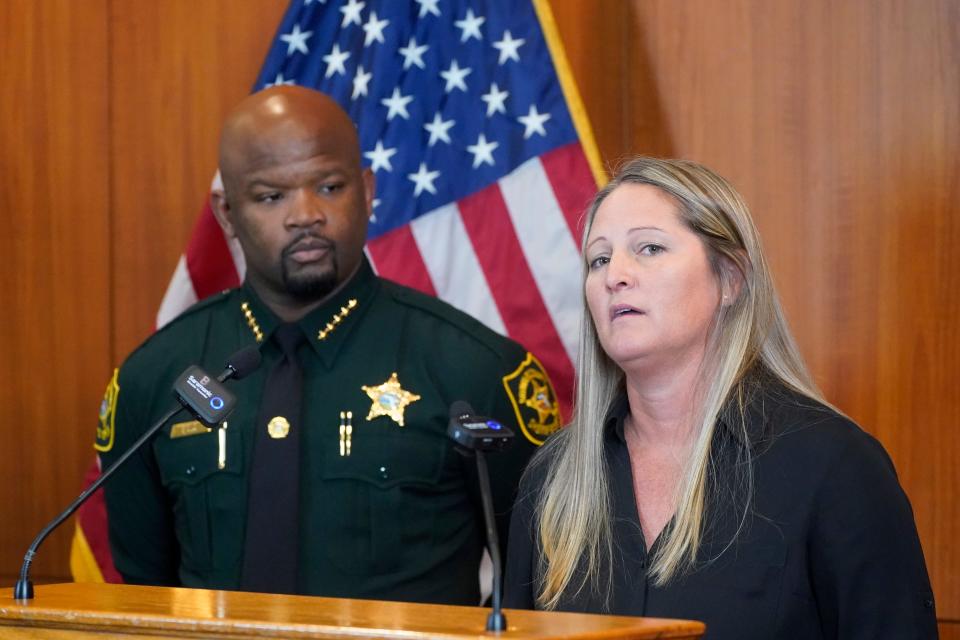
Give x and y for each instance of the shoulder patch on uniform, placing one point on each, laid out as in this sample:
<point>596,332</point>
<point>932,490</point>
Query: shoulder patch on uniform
<point>108,413</point>
<point>533,399</point>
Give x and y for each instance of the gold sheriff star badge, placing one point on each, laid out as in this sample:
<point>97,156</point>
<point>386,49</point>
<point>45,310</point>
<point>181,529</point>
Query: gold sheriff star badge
<point>389,399</point>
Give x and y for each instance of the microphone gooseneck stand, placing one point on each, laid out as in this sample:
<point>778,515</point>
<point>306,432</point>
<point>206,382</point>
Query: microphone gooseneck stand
<point>240,364</point>
<point>474,435</point>
<point>23,590</point>
<point>496,621</point>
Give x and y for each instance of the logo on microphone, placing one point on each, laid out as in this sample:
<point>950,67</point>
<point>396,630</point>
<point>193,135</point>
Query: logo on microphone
<point>216,402</point>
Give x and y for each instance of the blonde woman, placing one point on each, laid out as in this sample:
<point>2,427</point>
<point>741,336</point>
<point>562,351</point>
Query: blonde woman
<point>704,476</point>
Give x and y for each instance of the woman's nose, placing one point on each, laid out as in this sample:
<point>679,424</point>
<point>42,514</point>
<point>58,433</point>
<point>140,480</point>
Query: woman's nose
<point>619,274</point>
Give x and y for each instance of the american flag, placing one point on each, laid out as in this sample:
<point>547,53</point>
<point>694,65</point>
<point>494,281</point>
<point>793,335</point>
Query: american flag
<point>484,160</point>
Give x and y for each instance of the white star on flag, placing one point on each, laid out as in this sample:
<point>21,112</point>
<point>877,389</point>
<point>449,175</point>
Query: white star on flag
<point>380,157</point>
<point>360,82</point>
<point>296,40</point>
<point>438,129</point>
<point>423,180</point>
<point>351,13</point>
<point>397,105</point>
<point>482,151</point>
<point>374,29</point>
<point>470,26</point>
<point>428,6</point>
<point>413,54</point>
<point>495,100</point>
<point>279,80</point>
<point>533,122</point>
<point>335,60</point>
<point>454,77</point>
<point>508,47</point>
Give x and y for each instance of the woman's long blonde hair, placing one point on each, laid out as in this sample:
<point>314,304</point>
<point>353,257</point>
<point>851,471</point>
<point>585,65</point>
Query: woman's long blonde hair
<point>573,510</point>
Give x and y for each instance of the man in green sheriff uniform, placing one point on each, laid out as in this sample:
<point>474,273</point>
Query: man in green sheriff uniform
<point>387,508</point>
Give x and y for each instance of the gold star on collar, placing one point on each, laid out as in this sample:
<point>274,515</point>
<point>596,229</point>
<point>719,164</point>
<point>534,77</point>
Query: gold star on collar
<point>389,399</point>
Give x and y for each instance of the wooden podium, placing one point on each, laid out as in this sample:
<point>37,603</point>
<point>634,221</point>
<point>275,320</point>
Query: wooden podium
<point>73,611</point>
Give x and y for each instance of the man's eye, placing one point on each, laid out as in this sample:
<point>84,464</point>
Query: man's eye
<point>598,262</point>
<point>331,187</point>
<point>269,197</point>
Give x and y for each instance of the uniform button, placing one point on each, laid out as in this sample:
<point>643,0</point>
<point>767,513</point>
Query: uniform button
<point>928,603</point>
<point>191,470</point>
<point>383,473</point>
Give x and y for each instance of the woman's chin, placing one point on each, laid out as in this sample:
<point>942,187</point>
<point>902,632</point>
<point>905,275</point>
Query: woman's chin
<point>628,355</point>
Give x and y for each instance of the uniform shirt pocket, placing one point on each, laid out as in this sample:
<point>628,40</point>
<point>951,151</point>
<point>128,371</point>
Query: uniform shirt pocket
<point>381,500</point>
<point>208,502</point>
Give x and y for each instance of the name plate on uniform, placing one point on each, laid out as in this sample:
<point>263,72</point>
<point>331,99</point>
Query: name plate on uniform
<point>192,428</point>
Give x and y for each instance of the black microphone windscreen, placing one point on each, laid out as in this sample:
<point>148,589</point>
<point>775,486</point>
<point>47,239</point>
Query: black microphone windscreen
<point>244,362</point>
<point>460,408</point>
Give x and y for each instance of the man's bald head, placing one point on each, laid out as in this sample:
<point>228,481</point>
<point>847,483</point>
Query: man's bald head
<point>262,127</point>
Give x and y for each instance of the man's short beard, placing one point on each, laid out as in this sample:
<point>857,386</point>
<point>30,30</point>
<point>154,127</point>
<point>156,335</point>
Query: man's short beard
<point>309,287</point>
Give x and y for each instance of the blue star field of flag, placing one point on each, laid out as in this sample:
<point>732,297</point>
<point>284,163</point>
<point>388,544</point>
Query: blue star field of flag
<point>448,95</point>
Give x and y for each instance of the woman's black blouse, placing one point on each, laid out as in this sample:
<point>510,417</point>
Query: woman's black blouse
<point>829,548</point>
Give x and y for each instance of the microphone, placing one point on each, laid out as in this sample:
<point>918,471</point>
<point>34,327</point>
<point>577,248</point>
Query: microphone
<point>207,399</point>
<point>198,393</point>
<point>241,364</point>
<point>474,435</point>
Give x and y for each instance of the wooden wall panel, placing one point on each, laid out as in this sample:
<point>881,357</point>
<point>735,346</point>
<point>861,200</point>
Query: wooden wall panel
<point>840,123</point>
<point>54,281</point>
<point>110,115</point>
<point>177,67</point>
<point>594,36</point>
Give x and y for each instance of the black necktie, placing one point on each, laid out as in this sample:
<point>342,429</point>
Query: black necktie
<point>273,523</point>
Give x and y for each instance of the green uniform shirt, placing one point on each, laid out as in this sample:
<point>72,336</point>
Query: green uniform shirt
<point>394,513</point>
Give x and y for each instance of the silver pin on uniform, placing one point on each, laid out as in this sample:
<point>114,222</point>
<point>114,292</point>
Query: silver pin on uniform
<point>349,431</point>
<point>346,432</point>
<point>222,446</point>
